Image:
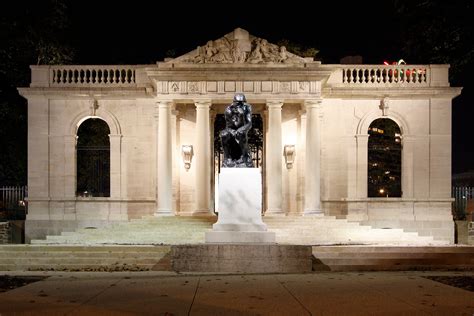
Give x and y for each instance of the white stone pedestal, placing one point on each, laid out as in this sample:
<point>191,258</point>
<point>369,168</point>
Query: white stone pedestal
<point>240,205</point>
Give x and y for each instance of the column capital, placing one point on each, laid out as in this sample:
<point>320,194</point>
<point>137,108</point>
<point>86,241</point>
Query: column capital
<point>203,104</point>
<point>312,103</point>
<point>274,104</point>
<point>164,103</point>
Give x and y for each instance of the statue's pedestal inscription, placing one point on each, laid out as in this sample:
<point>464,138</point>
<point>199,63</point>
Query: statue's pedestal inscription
<point>240,204</point>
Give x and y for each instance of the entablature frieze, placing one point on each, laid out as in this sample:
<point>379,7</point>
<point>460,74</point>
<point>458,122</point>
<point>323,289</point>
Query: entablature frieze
<point>220,87</point>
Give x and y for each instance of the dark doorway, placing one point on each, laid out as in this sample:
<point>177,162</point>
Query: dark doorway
<point>93,159</point>
<point>384,159</point>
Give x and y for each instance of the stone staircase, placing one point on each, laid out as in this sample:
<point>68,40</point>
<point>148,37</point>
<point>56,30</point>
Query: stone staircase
<point>231,258</point>
<point>84,258</point>
<point>326,230</point>
<point>383,258</point>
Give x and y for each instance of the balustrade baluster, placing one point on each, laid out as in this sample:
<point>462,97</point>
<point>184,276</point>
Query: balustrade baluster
<point>357,75</point>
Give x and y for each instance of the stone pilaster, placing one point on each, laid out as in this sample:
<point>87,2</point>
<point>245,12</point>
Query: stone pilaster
<point>70,166</point>
<point>407,166</point>
<point>115,165</point>
<point>362,165</point>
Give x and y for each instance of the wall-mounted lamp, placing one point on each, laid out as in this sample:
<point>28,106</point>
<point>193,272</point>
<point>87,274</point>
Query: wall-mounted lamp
<point>289,153</point>
<point>187,153</point>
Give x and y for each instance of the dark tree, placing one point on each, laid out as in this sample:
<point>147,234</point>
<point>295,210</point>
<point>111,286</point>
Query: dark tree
<point>31,33</point>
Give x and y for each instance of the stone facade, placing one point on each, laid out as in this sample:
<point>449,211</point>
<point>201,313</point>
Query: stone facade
<point>324,110</point>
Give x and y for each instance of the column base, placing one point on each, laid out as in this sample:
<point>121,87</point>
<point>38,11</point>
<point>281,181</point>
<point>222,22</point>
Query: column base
<point>313,213</point>
<point>274,212</point>
<point>159,213</point>
<point>203,213</point>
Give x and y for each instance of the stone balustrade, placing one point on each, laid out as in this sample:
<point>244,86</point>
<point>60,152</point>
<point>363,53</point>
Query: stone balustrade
<point>341,76</point>
<point>92,75</point>
<point>416,75</point>
<point>83,76</point>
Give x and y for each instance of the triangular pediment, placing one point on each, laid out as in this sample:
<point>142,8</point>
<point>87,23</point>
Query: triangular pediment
<point>240,47</point>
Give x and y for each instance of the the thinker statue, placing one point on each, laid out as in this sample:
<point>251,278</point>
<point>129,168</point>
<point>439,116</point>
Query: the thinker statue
<point>238,121</point>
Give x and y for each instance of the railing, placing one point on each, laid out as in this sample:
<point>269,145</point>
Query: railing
<point>92,76</point>
<point>12,197</point>
<point>463,196</point>
<point>416,75</point>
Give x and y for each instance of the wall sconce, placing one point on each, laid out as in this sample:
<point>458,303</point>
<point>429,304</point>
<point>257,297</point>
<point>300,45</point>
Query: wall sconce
<point>289,153</point>
<point>187,153</point>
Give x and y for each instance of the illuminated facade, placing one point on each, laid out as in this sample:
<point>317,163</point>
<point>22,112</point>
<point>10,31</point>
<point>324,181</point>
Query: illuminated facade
<point>316,119</point>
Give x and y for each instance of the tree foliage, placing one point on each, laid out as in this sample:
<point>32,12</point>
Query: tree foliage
<point>438,32</point>
<point>298,49</point>
<point>34,33</point>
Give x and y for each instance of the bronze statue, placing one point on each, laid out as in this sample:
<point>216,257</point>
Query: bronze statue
<point>238,121</point>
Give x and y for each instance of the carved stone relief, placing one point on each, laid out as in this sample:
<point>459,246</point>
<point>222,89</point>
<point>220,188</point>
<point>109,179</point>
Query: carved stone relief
<point>240,47</point>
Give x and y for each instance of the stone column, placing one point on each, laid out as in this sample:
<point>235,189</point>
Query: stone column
<point>202,152</point>
<point>115,165</point>
<point>274,159</point>
<point>312,197</point>
<point>164,163</point>
<point>362,165</point>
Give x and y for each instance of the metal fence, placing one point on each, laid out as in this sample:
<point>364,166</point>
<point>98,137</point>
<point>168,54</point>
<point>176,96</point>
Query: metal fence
<point>12,202</point>
<point>463,196</point>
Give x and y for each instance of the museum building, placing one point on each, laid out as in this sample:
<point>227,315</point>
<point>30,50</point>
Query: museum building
<point>156,152</point>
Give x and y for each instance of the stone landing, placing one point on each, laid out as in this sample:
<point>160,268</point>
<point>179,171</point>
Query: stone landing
<point>241,258</point>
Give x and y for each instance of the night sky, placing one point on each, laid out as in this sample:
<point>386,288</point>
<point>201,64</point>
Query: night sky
<point>142,32</point>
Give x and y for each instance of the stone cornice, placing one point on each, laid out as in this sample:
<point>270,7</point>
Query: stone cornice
<point>391,92</point>
<point>86,93</point>
<point>226,72</point>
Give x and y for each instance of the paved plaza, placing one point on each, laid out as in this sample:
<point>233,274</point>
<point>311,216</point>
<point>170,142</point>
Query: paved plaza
<point>163,293</point>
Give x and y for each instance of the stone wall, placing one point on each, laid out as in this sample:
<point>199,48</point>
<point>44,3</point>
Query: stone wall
<point>5,233</point>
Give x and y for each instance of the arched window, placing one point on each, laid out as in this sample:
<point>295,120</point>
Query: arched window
<point>384,159</point>
<point>93,158</point>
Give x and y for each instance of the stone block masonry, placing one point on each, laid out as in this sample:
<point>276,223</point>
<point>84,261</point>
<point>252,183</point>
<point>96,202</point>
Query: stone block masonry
<point>5,233</point>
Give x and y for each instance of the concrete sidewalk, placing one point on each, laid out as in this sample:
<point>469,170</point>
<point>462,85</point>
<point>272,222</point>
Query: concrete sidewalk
<point>152,293</point>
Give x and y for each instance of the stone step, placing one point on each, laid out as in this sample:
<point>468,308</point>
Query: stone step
<point>103,258</point>
<point>289,230</point>
<point>387,255</point>
<point>377,249</point>
<point>78,267</point>
<point>80,260</point>
<point>367,258</point>
<point>81,248</point>
<point>71,254</point>
<point>405,267</point>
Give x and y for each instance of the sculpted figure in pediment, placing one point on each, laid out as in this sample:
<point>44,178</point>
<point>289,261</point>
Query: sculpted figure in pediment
<point>240,47</point>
